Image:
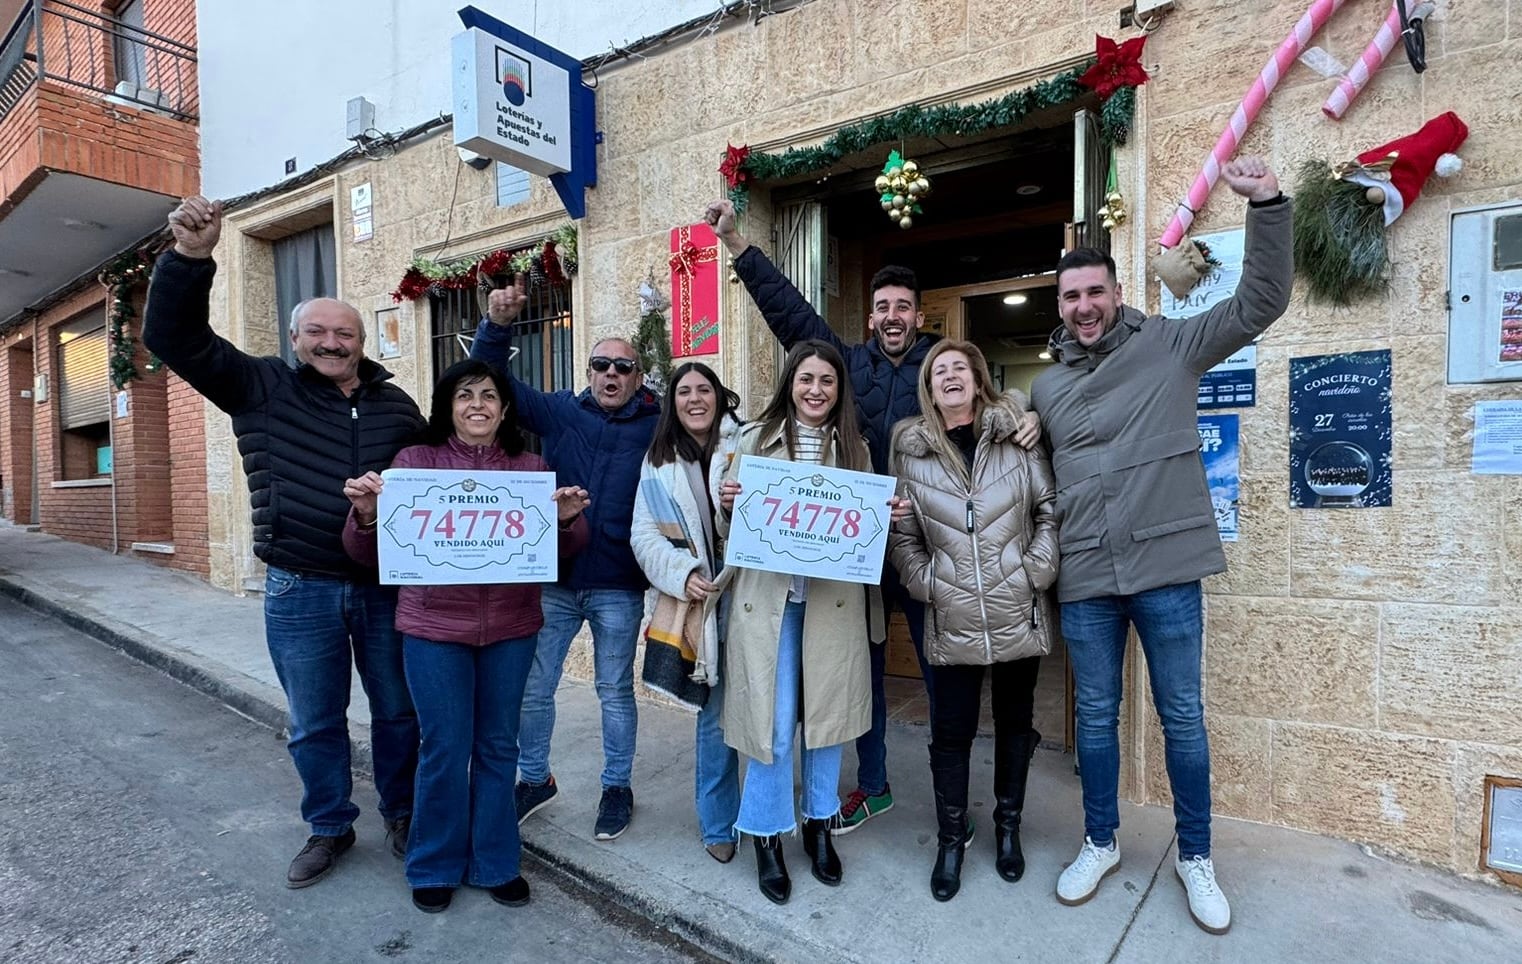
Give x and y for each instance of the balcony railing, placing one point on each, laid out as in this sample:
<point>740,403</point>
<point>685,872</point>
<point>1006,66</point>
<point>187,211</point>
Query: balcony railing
<point>73,45</point>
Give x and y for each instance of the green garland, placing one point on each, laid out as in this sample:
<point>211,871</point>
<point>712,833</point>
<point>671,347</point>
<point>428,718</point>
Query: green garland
<point>122,277</point>
<point>913,121</point>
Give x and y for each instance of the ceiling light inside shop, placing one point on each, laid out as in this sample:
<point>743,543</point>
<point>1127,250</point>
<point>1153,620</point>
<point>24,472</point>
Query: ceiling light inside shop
<point>1015,299</point>
<point>1028,189</point>
<point>1045,356</point>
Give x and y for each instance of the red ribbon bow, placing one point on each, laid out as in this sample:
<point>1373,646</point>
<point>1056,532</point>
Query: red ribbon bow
<point>1119,65</point>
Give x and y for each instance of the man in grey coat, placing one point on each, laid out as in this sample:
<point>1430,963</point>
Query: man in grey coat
<point>1137,529</point>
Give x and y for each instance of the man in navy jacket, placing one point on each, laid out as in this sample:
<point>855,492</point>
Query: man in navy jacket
<point>884,373</point>
<point>596,440</point>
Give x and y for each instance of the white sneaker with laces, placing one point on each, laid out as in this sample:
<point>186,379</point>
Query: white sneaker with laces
<point>1082,877</point>
<point>1207,905</point>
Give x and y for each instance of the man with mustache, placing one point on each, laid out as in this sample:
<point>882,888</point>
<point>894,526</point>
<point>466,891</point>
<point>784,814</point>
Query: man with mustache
<point>884,374</point>
<point>596,440</point>
<point>302,431</point>
<point>1137,529</point>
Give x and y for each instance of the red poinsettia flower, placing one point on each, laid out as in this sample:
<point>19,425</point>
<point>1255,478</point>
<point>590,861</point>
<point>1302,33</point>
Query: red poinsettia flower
<point>733,167</point>
<point>1119,65</point>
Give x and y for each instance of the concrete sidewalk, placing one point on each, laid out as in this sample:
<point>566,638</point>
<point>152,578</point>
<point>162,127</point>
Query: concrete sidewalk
<point>1295,896</point>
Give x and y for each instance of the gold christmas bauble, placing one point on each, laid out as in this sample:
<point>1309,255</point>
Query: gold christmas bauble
<point>906,222</point>
<point>923,183</point>
<point>899,184</point>
<point>1376,195</point>
<point>911,169</point>
<point>1114,198</point>
<point>895,213</point>
<point>1109,224</point>
<point>899,200</point>
<point>913,189</point>
<point>894,171</point>
<point>881,184</point>
<point>887,204</point>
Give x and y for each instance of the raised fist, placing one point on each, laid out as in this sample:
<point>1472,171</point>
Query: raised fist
<point>1252,178</point>
<point>505,304</point>
<point>197,224</point>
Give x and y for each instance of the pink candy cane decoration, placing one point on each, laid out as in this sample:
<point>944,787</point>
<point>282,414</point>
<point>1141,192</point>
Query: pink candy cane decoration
<point>1284,58</point>
<point>1349,85</point>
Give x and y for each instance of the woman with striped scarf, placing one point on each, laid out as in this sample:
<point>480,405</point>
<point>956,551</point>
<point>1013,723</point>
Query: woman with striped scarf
<point>674,540</point>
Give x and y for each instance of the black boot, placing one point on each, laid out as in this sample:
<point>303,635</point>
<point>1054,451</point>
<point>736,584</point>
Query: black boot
<point>771,870</point>
<point>823,860</point>
<point>1012,765</point>
<point>948,773</point>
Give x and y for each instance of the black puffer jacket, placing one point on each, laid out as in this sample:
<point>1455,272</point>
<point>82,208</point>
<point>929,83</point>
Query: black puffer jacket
<point>299,436</point>
<point>884,392</point>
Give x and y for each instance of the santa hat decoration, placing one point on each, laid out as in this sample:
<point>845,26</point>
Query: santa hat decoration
<point>1343,211</point>
<point>1404,165</point>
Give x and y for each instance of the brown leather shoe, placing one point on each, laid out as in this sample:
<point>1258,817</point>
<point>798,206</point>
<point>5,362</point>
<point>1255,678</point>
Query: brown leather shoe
<point>317,859</point>
<point>723,852</point>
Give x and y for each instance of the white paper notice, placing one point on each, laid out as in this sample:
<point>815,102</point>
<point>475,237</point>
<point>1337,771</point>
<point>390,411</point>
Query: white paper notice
<point>1498,438</point>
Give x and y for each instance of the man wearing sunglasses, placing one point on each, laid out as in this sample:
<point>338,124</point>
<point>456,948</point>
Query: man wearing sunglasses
<point>884,372</point>
<point>595,439</point>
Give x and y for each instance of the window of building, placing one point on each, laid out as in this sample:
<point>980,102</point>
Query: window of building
<point>84,401</point>
<point>306,266</point>
<point>512,185</point>
<point>131,55</point>
<point>541,337</point>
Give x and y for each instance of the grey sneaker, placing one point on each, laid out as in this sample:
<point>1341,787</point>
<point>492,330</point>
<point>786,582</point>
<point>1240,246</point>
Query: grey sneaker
<point>530,797</point>
<point>397,832</point>
<point>614,811</point>
<point>317,859</point>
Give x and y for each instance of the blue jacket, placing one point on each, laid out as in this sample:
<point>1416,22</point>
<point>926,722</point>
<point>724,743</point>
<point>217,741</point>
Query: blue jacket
<point>884,392</point>
<point>589,446</point>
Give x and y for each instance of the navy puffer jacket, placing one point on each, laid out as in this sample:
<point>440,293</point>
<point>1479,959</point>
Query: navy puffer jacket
<point>589,446</point>
<point>884,392</point>
<point>299,435</point>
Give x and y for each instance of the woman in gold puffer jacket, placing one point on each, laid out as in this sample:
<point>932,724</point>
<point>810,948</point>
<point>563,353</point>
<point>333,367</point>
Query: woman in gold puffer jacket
<point>980,550</point>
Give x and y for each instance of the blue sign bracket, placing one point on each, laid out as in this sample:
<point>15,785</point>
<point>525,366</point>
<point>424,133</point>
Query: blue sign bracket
<point>572,185</point>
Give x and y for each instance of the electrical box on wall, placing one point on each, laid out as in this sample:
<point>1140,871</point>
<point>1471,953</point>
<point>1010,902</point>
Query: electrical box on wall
<point>1485,295</point>
<point>359,118</point>
<point>40,388</point>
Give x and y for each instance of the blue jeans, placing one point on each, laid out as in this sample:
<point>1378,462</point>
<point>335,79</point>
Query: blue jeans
<point>717,769</point>
<point>766,806</point>
<point>464,827</point>
<point>614,615</point>
<point>1170,623</point>
<point>872,746</point>
<point>316,627</point>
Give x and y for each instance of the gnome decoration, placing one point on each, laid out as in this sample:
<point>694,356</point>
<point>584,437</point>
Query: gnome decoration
<point>1342,211</point>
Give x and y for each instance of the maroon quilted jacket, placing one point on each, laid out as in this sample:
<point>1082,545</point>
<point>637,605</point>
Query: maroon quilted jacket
<point>474,615</point>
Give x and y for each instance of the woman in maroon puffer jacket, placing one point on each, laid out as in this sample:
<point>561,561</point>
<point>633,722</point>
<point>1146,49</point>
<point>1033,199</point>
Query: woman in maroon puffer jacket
<point>467,652</point>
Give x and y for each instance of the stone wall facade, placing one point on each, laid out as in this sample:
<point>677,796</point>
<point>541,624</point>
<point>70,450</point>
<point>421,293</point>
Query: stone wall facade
<point>1361,667</point>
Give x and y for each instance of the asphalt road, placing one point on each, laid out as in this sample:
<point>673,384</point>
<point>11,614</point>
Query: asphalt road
<point>141,821</point>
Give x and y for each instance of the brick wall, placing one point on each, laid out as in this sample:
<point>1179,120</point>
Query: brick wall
<point>187,463</point>
<point>16,433</point>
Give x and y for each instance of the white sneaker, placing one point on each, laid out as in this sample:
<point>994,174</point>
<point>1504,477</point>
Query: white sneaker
<point>1082,877</point>
<point>1207,905</point>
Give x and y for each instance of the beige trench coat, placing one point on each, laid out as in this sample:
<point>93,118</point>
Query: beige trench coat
<point>836,704</point>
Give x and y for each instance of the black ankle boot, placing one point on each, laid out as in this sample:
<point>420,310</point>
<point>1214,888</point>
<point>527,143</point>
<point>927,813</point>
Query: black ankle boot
<point>948,773</point>
<point>1012,763</point>
<point>771,870</point>
<point>823,860</point>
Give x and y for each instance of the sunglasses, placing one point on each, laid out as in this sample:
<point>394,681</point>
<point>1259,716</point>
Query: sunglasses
<point>601,363</point>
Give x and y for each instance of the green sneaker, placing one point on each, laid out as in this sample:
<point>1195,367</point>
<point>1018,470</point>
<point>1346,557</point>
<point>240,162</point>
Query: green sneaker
<point>859,808</point>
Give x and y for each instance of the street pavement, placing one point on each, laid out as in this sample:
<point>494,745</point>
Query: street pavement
<point>145,822</point>
<point>1295,896</point>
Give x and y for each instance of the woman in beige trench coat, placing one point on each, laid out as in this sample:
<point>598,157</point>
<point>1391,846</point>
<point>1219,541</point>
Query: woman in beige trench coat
<point>796,648</point>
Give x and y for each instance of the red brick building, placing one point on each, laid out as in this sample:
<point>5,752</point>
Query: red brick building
<point>98,139</point>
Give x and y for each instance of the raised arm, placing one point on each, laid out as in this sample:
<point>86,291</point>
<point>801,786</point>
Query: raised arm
<point>493,345</point>
<point>788,314</point>
<point>1268,272</point>
<point>177,319</point>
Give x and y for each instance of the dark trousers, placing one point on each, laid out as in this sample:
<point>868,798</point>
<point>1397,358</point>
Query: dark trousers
<point>959,697</point>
